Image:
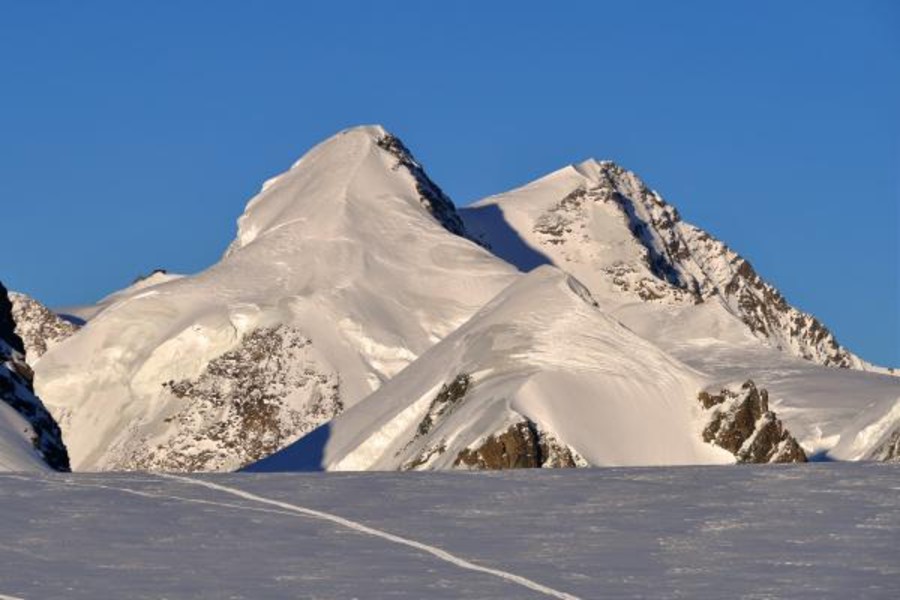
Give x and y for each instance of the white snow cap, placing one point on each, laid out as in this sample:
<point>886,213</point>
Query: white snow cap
<point>342,250</point>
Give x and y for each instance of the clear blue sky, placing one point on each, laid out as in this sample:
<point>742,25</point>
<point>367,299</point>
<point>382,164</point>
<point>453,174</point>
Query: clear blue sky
<point>132,133</point>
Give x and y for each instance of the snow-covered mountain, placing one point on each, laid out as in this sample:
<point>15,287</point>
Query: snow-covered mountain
<point>604,225</point>
<point>343,311</point>
<point>543,377</point>
<point>688,293</point>
<point>345,269</point>
<point>39,327</point>
<point>80,314</point>
<point>692,296</point>
<point>30,440</point>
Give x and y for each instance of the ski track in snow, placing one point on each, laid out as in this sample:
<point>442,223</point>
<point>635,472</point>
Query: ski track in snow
<point>365,529</point>
<point>134,492</point>
<point>295,510</point>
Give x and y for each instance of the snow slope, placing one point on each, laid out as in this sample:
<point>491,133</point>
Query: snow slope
<point>353,263</point>
<point>804,531</point>
<point>541,365</point>
<point>345,268</point>
<point>605,226</point>
<point>825,408</point>
<point>690,295</point>
<point>83,313</point>
<point>17,452</point>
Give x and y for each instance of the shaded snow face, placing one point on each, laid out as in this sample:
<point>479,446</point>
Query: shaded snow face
<point>29,437</point>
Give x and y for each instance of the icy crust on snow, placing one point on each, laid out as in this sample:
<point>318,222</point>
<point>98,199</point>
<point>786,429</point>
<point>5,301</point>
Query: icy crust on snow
<point>340,249</point>
<point>541,363</point>
<point>604,225</point>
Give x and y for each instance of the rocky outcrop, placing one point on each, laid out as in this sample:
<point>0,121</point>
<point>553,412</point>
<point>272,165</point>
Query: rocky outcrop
<point>431,196</point>
<point>522,446</point>
<point>8,335</point>
<point>152,274</point>
<point>740,421</point>
<point>889,450</point>
<point>246,404</point>
<point>677,262</point>
<point>696,262</point>
<point>17,392</point>
<point>38,326</point>
<point>449,396</point>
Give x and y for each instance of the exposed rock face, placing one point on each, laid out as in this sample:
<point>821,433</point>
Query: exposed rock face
<point>740,421</point>
<point>889,451</point>
<point>153,273</point>
<point>17,392</point>
<point>246,404</point>
<point>450,395</point>
<point>38,326</point>
<point>522,446</point>
<point>8,333</point>
<point>431,196</point>
<point>679,262</point>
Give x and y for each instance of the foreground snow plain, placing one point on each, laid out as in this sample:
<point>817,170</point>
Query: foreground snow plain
<point>799,531</point>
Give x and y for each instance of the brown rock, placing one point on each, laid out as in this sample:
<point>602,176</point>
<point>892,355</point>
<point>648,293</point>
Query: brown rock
<point>522,446</point>
<point>742,423</point>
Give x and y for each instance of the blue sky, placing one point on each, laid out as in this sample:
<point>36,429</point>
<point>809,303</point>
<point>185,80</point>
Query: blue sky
<point>133,133</point>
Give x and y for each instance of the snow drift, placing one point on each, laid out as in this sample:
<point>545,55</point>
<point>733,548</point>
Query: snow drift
<point>543,366</point>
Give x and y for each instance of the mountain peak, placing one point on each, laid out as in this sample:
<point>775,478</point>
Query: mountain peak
<point>365,166</point>
<point>626,243</point>
<point>593,169</point>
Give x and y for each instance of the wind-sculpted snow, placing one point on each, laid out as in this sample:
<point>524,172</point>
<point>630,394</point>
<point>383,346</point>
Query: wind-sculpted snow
<point>142,284</point>
<point>539,377</point>
<point>343,248</point>
<point>786,531</point>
